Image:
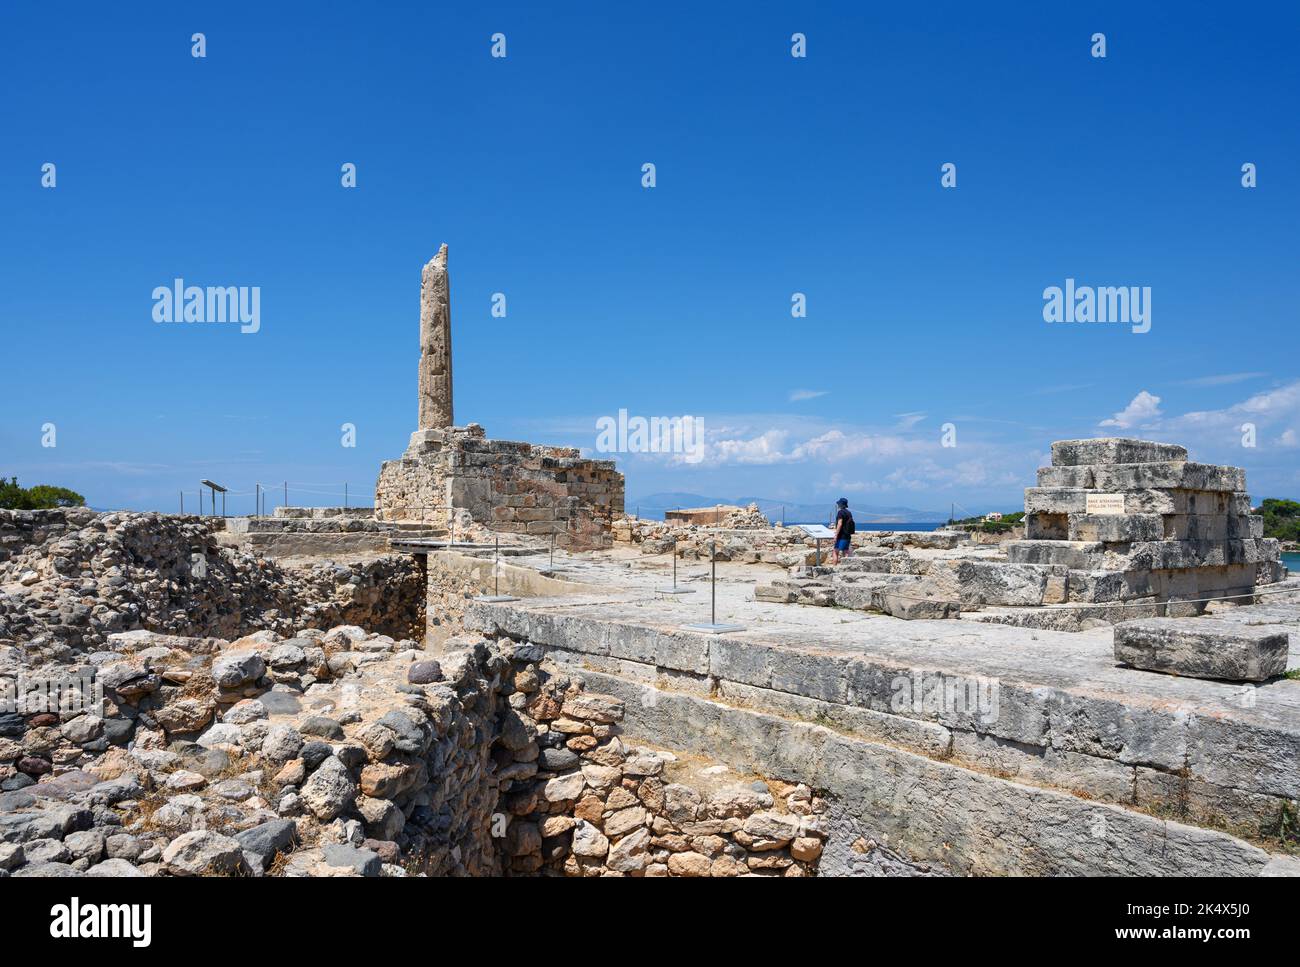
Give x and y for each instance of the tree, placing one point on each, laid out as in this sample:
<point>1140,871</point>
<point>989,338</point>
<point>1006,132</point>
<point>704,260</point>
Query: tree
<point>40,497</point>
<point>1281,519</point>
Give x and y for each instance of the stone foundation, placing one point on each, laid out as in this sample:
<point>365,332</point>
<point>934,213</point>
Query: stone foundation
<point>457,475</point>
<point>1119,520</point>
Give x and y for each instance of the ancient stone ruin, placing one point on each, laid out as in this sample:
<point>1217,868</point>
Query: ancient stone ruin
<point>453,477</point>
<point>1131,521</point>
<point>344,692</point>
<point>1116,529</point>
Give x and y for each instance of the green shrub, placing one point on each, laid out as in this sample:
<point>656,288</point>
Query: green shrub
<point>1281,518</point>
<point>40,497</point>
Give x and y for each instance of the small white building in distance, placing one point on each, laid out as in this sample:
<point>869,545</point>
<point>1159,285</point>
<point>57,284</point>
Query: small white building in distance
<point>996,515</point>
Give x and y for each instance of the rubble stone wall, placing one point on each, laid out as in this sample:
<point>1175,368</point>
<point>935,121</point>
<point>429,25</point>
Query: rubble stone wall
<point>72,577</point>
<point>344,753</point>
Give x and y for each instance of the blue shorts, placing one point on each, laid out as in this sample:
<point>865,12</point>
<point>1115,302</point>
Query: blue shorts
<point>842,544</point>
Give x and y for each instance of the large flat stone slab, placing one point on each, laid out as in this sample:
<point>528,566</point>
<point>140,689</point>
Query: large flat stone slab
<point>1073,453</point>
<point>1057,690</point>
<point>1203,648</point>
<point>1169,475</point>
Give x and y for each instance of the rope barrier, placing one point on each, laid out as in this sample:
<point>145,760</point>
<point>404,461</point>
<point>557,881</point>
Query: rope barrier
<point>1102,604</point>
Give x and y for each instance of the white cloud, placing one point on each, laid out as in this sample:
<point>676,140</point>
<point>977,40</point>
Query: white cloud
<point>832,446</point>
<point>1224,379</point>
<point>1281,403</point>
<point>798,395</point>
<point>1144,410</point>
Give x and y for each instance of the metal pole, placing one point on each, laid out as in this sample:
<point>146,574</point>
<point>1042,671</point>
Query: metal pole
<point>200,501</point>
<point>182,503</point>
<point>674,563</point>
<point>713,581</point>
<point>257,500</point>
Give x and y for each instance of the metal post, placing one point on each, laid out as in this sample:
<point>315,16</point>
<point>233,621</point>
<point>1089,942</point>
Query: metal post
<point>200,501</point>
<point>674,563</point>
<point>713,581</point>
<point>257,500</point>
<point>182,503</point>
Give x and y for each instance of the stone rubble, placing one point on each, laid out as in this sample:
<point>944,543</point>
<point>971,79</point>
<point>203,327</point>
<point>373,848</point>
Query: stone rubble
<point>346,753</point>
<point>1117,529</point>
<point>69,578</point>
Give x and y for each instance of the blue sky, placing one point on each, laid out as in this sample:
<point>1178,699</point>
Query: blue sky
<point>775,175</point>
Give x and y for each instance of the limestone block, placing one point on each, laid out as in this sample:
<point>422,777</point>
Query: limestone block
<point>1177,474</point>
<point>1109,450</point>
<point>976,583</point>
<point>1078,555</point>
<point>1244,527</point>
<point>1115,527</point>
<point>1103,586</point>
<point>1154,502</point>
<point>1047,527</point>
<point>1057,478</point>
<point>910,606</point>
<point>1055,500</point>
<point>1196,527</point>
<point>1202,648</point>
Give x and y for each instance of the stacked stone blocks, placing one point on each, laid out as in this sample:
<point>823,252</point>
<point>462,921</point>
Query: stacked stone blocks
<point>1134,521</point>
<point>510,487</point>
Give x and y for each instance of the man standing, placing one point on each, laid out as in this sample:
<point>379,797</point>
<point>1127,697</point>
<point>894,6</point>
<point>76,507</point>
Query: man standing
<point>844,530</point>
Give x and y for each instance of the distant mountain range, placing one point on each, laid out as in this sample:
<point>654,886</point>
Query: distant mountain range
<point>654,505</point>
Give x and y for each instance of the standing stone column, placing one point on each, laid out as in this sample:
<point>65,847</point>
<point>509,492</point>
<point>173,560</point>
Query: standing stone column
<point>435,344</point>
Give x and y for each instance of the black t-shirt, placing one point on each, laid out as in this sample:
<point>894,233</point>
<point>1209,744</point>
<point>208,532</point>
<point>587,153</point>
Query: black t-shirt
<point>844,530</point>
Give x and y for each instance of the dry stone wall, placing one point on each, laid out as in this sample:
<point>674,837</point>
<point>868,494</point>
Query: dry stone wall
<point>70,578</point>
<point>584,803</point>
<point>344,753</point>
